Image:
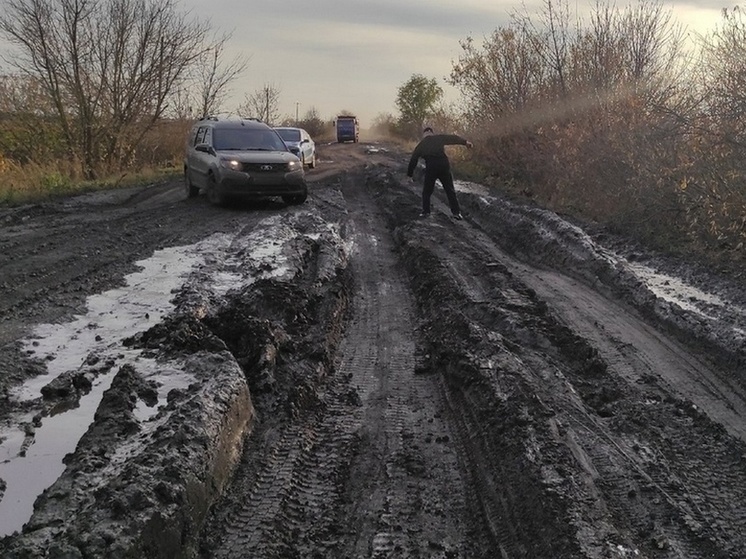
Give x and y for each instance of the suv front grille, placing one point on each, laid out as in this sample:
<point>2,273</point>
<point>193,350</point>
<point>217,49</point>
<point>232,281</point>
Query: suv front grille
<point>264,167</point>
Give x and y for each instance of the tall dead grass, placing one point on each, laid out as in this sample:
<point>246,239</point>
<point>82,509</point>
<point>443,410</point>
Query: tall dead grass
<point>158,155</point>
<point>615,122</point>
<point>676,188</point>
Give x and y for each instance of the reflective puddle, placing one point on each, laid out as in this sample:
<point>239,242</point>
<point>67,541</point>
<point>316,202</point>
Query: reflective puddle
<point>31,450</point>
<point>31,454</point>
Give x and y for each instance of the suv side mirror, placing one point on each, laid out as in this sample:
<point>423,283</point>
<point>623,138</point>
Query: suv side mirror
<point>205,148</point>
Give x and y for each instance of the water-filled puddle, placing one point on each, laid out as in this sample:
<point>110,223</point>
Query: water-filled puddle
<point>676,291</point>
<point>31,457</point>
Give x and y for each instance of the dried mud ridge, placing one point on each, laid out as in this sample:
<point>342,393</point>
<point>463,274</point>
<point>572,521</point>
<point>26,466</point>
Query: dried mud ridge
<point>417,388</point>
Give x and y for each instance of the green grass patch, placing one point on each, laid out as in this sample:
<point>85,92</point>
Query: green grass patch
<point>35,183</point>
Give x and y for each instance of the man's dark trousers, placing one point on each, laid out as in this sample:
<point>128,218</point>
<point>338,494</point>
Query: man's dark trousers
<point>439,169</point>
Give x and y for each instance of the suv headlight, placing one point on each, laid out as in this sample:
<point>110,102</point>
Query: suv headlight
<point>294,165</point>
<point>231,164</point>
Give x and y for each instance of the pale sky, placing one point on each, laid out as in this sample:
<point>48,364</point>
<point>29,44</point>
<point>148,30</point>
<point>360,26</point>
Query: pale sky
<point>355,54</point>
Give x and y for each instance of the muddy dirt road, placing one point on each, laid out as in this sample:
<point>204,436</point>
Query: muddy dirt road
<point>342,379</point>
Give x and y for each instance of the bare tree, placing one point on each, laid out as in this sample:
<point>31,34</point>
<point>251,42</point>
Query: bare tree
<point>502,76</point>
<point>213,78</point>
<point>556,19</point>
<point>723,77</point>
<point>262,104</point>
<point>551,38</point>
<point>23,94</point>
<point>598,54</point>
<point>109,67</point>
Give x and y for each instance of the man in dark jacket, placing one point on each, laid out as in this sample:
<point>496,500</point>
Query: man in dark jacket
<point>437,167</point>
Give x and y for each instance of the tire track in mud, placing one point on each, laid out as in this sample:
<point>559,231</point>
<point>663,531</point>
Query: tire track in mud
<point>543,422</point>
<point>372,472</point>
<point>492,392</point>
<point>637,351</point>
<point>651,473</point>
<point>679,464</point>
<point>673,480</point>
<point>411,504</point>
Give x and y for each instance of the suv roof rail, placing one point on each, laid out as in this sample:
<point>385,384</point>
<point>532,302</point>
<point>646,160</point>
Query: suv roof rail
<point>224,117</point>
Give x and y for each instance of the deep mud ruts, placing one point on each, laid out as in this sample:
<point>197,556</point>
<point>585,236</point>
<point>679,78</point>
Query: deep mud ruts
<point>383,386</point>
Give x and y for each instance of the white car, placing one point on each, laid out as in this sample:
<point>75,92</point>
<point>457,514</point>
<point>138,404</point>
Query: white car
<point>300,143</point>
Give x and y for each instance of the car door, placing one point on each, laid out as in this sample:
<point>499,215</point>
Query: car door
<point>306,146</point>
<point>200,160</point>
<point>313,146</point>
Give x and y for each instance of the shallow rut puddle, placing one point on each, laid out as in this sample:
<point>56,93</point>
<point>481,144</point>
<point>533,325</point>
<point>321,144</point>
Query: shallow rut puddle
<point>111,316</point>
<point>32,452</point>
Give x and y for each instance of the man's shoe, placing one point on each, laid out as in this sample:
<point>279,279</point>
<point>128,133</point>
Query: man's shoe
<point>425,214</point>
<point>458,216</point>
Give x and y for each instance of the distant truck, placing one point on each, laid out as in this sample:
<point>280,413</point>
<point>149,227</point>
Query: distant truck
<point>347,127</point>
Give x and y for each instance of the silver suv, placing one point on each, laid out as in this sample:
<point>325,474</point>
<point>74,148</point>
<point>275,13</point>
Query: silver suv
<point>243,158</point>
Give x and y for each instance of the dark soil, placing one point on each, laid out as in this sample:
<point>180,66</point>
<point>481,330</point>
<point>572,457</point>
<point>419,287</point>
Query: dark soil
<point>389,386</point>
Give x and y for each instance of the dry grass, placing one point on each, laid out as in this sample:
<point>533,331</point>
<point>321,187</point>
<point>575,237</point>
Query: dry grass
<point>159,155</point>
<point>35,182</point>
<point>675,192</point>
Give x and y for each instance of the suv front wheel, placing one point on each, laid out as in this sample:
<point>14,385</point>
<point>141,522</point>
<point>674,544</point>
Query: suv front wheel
<point>213,196</point>
<point>191,190</point>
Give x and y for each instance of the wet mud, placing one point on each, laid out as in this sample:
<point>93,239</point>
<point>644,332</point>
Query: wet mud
<point>344,379</point>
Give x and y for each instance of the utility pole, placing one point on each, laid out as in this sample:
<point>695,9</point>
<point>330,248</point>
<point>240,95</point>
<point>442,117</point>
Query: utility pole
<point>297,120</point>
<point>266,91</point>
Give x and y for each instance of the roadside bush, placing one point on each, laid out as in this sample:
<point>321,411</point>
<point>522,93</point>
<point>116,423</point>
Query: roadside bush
<point>384,126</point>
<point>161,147</point>
<point>26,137</point>
<point>160,156</point>
<point>22,183</point>
<point>607,166</point>
<point>713,193</point>
<point>606,123</point>
<point>55,182</point>
<point>313,123</point>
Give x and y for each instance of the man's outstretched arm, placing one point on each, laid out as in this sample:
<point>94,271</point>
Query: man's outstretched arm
<point>455,140</point>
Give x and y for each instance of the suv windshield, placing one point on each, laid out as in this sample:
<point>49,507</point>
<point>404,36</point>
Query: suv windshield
<point>289,135</point>
<point>244,139</point>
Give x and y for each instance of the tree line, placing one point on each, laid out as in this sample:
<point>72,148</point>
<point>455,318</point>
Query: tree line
<point>106,72</point>
<point>622,118</point>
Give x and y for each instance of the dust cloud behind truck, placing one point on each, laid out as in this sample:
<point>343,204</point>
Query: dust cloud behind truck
<point>347,128</point>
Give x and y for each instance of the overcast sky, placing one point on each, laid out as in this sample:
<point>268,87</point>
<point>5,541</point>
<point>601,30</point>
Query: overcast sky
<point>353,55</point>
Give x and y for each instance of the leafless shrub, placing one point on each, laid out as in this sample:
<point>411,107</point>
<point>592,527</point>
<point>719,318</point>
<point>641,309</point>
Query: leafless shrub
<point>264,104</point>
<point>210,77</point>
<point>28,128</point>
<point>604,119</point>
<point>108,69</point>
<point>314,124</point>
<point>162,147</point>
<point>713,186</point>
